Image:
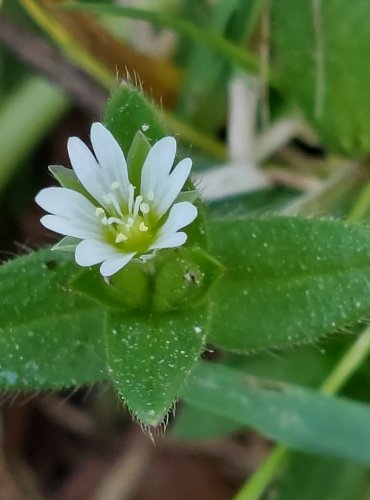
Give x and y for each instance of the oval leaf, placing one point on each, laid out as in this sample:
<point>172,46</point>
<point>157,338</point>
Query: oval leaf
<point>150,356</point>
<point>299,418</point>
<point>50,337</point>
<point>287,280</point>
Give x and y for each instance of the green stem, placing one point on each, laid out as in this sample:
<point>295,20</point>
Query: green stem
<point>255,487</point>
<point>350,362</point>
<point>361,206</point>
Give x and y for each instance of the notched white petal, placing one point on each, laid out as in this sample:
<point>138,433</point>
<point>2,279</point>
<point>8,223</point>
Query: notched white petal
<point>110,157</point>
<point>157,165</point>
<point>65,202</point>
<point>91,252</point>
<point>67,227</point>
<point>172,186</point>
<point>170,241</point>
<point>181,214</point>
<point>111,266</point>
<point>86,168</point>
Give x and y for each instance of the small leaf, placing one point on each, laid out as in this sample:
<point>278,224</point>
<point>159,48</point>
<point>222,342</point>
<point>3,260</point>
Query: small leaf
<point>150,356</point>
<point>287,280</point>
<point>299,418</point>
<point>50,337</point>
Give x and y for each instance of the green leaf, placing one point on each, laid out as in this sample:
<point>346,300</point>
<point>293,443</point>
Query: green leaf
<point>150,356</point>
<point>323,67</point>
<point>299,418</point>
<point>287,280</point>
<point>50,337</point>
<point>307,366</point>
<point>308,477</point>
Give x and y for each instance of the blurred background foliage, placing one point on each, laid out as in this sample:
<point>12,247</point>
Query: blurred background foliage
<point>270,98</point>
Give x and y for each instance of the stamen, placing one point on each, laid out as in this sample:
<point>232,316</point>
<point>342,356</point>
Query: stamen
<point>150,195</point>
<point>138,201</point>
<point>143,227</point>
<point>144,207</point>
<point>115,185</point>
<point>112,200</point>
<point>99,211</point>
<point>120,237</point>
<point>104,221</point>
<point>129,223</point>
<point>131,194</point>
<point>114,220</point>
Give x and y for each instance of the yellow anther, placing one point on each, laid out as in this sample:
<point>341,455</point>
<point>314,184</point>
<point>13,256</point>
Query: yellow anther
<point>144,207</point>
<point>143,227</point>
<point>120,237</point>
<point>99,211</point>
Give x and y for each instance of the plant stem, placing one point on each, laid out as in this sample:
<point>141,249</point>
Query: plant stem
<point>350,362</point>
<point>361,206</point>
<point>255,487</point>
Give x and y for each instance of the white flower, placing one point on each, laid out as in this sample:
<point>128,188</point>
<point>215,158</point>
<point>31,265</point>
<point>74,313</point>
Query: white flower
<point>116,223</point>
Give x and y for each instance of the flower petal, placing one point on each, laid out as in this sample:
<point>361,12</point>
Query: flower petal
<point>110,157</point>
<point>181,215</point>
<point>90,252</point>
<point>86,168</point>
<point>66,202</point>
<point>172,241</point>
<point>171,187</point>
<point>157,165</point>
<point>67,227</point>
<point>111,266</point>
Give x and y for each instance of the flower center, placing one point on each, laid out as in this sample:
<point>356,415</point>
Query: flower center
<point>127,224</point>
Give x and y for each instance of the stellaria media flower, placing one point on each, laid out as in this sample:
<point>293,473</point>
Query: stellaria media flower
<point>112,223</point>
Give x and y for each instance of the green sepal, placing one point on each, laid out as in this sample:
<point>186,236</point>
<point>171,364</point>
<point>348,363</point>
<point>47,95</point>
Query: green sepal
<point>66,244</point>
<point>173,280</point>
<point>68,179</point>
<point>190,196</point>
<point>135,158</point>
<point>184,278</point>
